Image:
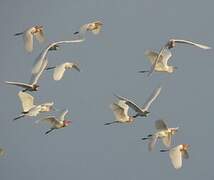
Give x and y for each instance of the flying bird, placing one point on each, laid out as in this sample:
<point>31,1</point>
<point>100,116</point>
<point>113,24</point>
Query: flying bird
<point>120,110</point>
<point>29,108</point>
<point>177,153</point>
<point>57,123</point>
<point>28,34</point>
<point>162,64</point>
<point>43,55</point>
<point>94,27</point>
<point>163,132</point>
<point>144,111</point>
<point>32,85</point>
<point>59,70</point>
<point>2,152</point>
<point>171,44</point>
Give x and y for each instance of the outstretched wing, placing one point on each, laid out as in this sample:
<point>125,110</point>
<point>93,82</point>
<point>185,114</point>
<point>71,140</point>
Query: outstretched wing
<point>26,101</point>
<point>35,77</point>
<point>131,104</point>
<point>176,157</point>
<point>167,140</point>
<point>59,72</point>
<point>28,40</point>
<point>152,142</point>
<point>23,85</point>
<point>191,43</point>
<point>160,125</point>
<point>50,120</point>
<point>153,96</point>
<point>62,116</point>
<point>120,110</point>
<point>40,36</point>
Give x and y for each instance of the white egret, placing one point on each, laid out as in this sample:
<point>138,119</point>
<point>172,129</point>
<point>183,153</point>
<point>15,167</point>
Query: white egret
<point>177,153</point>
<point>28,34</point>
<point>59,70</point>
<point>32,85</point>
<point>171,44</point>
<point>163,132</point>
<point>57,123</point>
<point>94,27</point>
<point>162,64</point>
<point>144,111</point>
<point>120,110</point>
<point>43,55</point>
<point>29,108</point>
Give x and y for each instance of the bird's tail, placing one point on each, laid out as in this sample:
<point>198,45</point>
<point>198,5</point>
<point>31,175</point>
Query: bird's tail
<point>17,34</point>
<point>21,116</point>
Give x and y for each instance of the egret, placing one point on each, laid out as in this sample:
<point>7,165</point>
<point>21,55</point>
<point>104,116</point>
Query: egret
<point>59,70</point>
<point>57,123</point>
<point>94,27</point>
<point>2,152</point>
<point>163,132</point>
<point>120,110</point>
<point>144,111</point>
<point>28,34</point>
<point>177,153</point>
<point>29,108</point>
<point>162,64</point>
<point>43,55</point>
<point>32,85</point>
<point>171,44</point>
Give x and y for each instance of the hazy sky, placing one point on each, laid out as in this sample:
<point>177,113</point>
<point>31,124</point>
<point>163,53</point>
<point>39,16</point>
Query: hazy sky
<point>109,63</point>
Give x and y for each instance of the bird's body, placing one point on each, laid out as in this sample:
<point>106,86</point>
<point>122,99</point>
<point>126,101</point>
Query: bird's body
<point>57,123</point>
<point>177,153</point>
<point>171,44</point>
<point>163,132</point>
<point>28,34</point>
<point>29,108</point>
<point>144,111</point>
<point>120,110</point>
<point>59,70</point>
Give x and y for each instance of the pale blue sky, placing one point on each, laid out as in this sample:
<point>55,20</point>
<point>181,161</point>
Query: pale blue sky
<point>109,63</point>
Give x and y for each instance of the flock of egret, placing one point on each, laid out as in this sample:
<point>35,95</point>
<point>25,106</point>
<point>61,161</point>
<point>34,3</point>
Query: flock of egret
<point>159,63</point>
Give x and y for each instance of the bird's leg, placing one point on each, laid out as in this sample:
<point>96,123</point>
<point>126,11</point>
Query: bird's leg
<point>27,89</point>
<point>21,116</point>
<point>144,71</point>
<point>49,131</point>
<point>77,32</point>
<point>164,150</point>
<point>136,115</point>
<point>111,123</point>
<point>52,67</point>
<point>17,34</point>
<point>149,136</point>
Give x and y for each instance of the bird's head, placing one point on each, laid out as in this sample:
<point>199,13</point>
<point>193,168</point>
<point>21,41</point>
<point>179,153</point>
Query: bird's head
<point>67,122</point>
<point>54,47</point>
<point>35,87</point>
<point>170,44</point>
<point>146,113</point>
<point>38,28</point>
<point>174,130</point>
<point>185,147</point>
